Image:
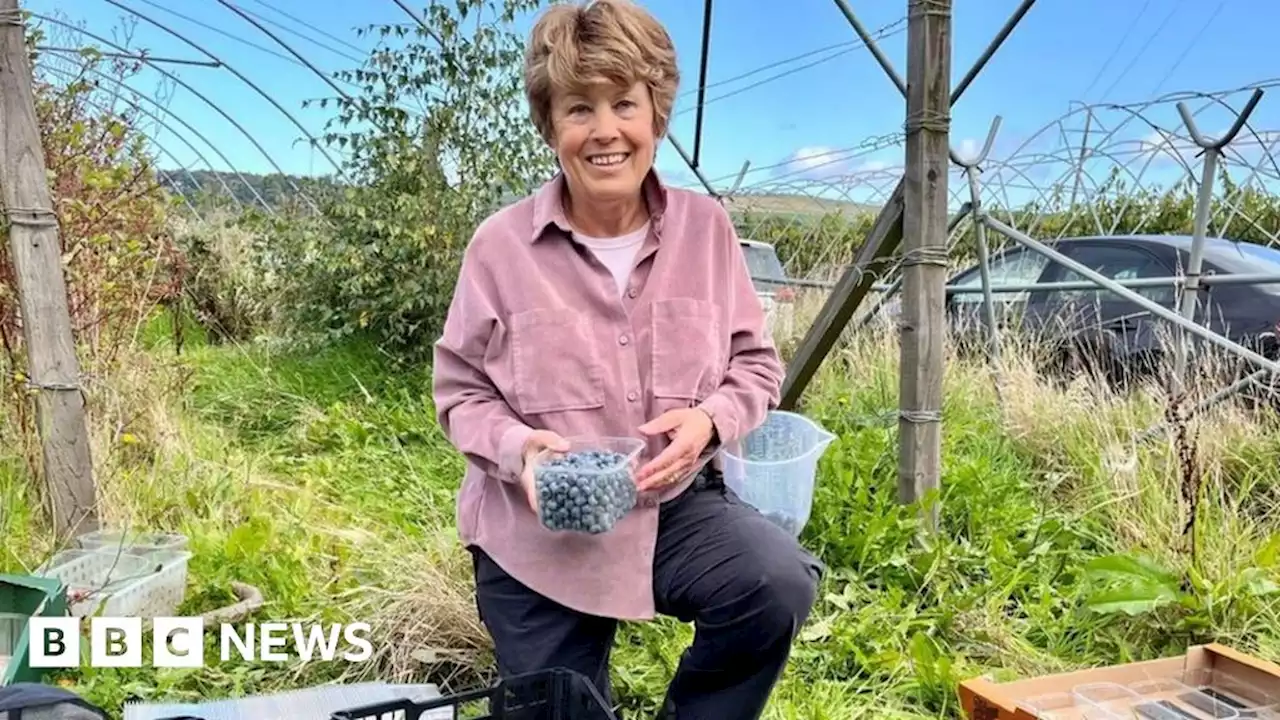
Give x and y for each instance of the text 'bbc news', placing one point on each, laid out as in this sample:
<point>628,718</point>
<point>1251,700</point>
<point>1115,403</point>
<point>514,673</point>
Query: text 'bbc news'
<point>178,642</point>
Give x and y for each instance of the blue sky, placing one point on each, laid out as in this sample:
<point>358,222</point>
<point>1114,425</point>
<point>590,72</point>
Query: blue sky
<point>1064,51</point>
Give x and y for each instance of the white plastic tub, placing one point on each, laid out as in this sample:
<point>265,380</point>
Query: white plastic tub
<point>91,576</point>
<point>773,468</point>
<point>116,583</point>
<point>157,594</point>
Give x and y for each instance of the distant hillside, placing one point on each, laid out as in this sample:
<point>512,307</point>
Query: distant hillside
<point>275,189</point>
<point>782,204</point>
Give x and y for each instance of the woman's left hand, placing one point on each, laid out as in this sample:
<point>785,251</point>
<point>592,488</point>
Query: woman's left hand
<point>690,429</point>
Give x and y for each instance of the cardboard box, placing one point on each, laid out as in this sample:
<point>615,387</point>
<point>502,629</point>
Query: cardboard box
<point>1112,692</point>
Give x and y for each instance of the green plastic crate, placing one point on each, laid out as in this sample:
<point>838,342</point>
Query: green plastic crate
<point>30,596</point>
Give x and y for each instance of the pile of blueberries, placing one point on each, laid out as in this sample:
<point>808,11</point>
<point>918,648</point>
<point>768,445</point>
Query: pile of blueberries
<point>586,491</point>
<point>771,442</point>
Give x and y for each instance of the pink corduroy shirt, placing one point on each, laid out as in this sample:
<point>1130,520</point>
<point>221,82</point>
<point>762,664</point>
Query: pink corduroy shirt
<point>538,337</point>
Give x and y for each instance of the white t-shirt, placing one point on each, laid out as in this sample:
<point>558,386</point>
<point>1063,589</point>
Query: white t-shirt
<point>617,253</point>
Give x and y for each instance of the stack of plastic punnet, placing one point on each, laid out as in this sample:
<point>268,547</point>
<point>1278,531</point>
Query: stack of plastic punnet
<point>1217,691</point>
<point>1198,695</point>
<point>117,574</point>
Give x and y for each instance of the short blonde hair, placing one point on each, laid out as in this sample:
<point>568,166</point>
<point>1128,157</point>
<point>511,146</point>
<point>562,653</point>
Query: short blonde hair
<point>572,46</point>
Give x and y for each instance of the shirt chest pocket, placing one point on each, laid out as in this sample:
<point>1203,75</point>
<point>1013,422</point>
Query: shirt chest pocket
<point>688,355</point>
<point>556,365</point>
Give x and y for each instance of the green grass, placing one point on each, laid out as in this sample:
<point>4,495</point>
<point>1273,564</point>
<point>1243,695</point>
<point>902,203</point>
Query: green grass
<point>321,478</point>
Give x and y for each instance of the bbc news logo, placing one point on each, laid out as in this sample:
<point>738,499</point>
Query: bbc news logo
<point>179,642</point>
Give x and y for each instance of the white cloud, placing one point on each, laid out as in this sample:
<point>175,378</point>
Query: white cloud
<point>1160,145</point>
<point>678,174</point>
<point>815,158</point>
<point>1245,142</point>
<point>1258,146</point>
<point>1247,150</point>
<point>820,162</point>
<point>967,148</point>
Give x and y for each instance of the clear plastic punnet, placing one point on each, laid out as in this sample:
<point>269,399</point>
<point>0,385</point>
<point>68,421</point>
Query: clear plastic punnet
<point>1067,706</point>
<point>1108,697</point>
<point>627,450</point>
<point>773,467</point>
<point>1215,689</point>
<point>134,542</point>
<point>589,486</point>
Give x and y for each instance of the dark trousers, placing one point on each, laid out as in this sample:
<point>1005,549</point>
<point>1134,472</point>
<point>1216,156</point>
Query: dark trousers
<point>745,584</point>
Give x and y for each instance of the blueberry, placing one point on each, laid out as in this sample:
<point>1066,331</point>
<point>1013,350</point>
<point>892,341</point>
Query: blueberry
<point>578,493</point>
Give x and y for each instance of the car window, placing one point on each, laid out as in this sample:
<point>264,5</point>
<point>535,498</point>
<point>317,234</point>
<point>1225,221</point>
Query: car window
<point>763,263</point>
<point>1017,267</point>
<point>1246,258</point>
<point>1115,263</point>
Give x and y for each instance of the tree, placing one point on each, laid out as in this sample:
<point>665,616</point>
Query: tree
<point>437,137</point>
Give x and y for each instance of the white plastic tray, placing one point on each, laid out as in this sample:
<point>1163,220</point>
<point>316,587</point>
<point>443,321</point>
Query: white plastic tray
<point>114,583</point>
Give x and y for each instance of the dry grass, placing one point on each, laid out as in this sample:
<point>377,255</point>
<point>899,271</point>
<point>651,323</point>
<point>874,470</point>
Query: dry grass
<point>425,619</point>
<point>1087,435</point>
<point>796,204</point>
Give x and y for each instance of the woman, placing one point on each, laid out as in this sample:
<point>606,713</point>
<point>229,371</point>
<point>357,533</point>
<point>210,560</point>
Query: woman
<point>610,304</point>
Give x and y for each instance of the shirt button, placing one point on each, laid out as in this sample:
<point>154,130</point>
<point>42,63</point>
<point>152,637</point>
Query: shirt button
<point>623,340</point>
<point>632,396</point>
<point>632,293</point>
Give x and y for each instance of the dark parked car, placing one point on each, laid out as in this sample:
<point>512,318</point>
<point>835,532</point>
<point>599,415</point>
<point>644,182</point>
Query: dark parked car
<point>772,286</point>
<point>1099,328</point>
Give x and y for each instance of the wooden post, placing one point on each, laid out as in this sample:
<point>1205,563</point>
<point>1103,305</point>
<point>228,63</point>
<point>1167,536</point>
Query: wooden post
<point>924,239</point>
<point>53,369</point>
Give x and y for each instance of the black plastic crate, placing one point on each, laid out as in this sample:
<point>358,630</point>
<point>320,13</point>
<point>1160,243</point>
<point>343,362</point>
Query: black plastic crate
<point>557,694</point>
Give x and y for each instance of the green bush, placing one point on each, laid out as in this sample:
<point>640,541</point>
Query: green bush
<point>420,182</point>
<point>119,257</point>
<point>231,287</point>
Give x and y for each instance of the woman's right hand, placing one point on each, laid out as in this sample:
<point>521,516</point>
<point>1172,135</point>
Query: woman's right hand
<point>538,441</point>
